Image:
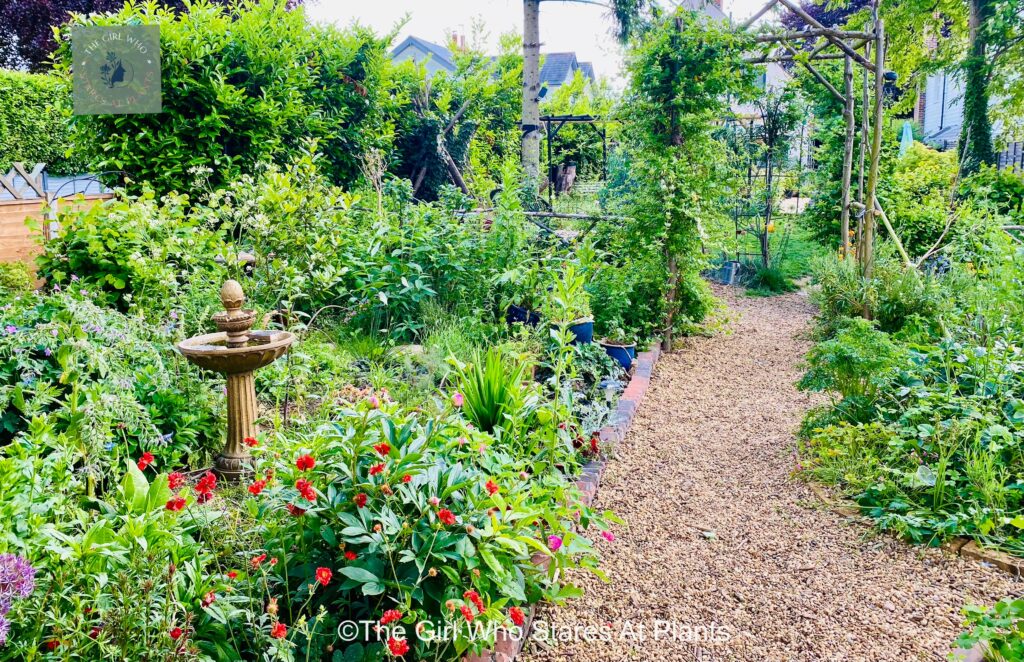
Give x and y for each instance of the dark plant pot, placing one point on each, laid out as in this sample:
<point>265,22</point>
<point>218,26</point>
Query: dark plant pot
<point>623,354</point>
<point>521,315</point>
<point>582,331</point>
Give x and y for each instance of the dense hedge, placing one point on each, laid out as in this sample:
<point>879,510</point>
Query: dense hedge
<point>242,86</point>
<point>34,112</point>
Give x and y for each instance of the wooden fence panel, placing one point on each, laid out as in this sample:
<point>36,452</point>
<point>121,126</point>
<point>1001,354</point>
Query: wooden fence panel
<point>19,243</point>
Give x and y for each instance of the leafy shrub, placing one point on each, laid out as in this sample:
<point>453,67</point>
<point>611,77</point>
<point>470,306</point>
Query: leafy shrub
<point>892,296</point>
<point>1004,189</point>
<point>35,122</point>
<point>917,196</point>
<point>136,251</point>
<point>233,95</point>
<point>416,514</point>
<point>101,386</point>
<point>15,278</point>
<point>855,363</point>
<point>767,280</point>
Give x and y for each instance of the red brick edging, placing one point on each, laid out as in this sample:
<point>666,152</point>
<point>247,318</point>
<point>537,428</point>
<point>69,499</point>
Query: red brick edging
<point>508,647</point>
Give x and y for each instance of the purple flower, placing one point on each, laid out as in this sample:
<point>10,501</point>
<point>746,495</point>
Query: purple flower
<point>54,332</point>
<point>5,627</point>
<point>11,329</point>
<point>47,352</point>
<point>174,315</point>
<point>57,288</point>
<point>74,278</point>
<point>554,543</point>
<point>17,576</point>
<point>5,604</point>
<point>457,399</point>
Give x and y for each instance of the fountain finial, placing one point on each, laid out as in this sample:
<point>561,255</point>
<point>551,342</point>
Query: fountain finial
<point>232,296</point>
<point>234,321</point>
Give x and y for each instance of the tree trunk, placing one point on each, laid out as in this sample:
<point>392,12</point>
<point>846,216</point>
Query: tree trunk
<point>976,133</point>
<point>531,91</point>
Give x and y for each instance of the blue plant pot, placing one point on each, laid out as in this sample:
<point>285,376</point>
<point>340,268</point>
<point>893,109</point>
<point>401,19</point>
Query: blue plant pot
<point>582,331</point>
<point>521,315</point>
<point>623,354</point>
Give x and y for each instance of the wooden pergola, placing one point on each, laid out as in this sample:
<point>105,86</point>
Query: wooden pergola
<point>866,50</point>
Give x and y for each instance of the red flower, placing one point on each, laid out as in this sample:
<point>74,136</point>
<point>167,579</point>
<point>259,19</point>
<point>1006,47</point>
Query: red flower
<point>446,516</point>
<point>474,597</point>
<point>257,561</point>
<point>279,631</point>
<point>398,647</point>
<point>305,488</point>
<point>256,487</point>
<point>207,484</point>
<point>95,631</point>
<point>406,478</point>
<point>360,500</point>
<point>232,574</point>
<point>492,487</point>
<point>175,633</point>
<point>305,462</point>
<point>295,510</point>
<point>382,448</point>
<point>323,575</point>
<point>251,442</point>
<point>351,556</point>
<point>517,616</point>
<point>273,561</point>
<point>52,644</point>
<point>204,497</point>
<point>175,480</point>
<point>467,613</point>
<point>390,616</point>
<point>175,504</point>
<point>209,599</point>
<point>146,460</point>
<point>377,469</point>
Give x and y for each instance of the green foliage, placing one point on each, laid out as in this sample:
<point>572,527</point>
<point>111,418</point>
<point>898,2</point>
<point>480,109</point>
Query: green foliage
<point>917,197</point>
<point>100,387</point>
<point>15,278</point>
<point>491,385</point>
<point>233,95</point>
<point>413,512</point>
<point>855,364</point>
<point>892,297</point>
<point>35,113</point>
<point>136,251</point>
<point>1000,628</point>
<point>1003,189</point>
<point>681,74</point>
<point>937,403</point>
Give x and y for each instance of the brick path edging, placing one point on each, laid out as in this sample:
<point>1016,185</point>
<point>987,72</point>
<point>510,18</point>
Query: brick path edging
<point>508,647</point>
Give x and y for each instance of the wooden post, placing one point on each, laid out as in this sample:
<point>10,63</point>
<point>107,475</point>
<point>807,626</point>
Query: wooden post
<point>847,158</point>
<point>867,253</point>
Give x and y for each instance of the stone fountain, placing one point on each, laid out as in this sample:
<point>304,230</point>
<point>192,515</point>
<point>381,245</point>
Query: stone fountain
<point>236,351</point>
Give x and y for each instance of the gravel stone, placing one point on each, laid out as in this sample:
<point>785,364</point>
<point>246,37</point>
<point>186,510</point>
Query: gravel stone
<point>719,531</point>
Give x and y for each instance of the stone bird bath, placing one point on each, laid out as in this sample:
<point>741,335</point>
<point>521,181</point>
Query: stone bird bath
<point>236,351</point>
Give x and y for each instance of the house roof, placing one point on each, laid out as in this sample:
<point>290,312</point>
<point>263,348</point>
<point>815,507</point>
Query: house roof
<point>440,54</point>
<point>560,66</point>
<point>557,67</point>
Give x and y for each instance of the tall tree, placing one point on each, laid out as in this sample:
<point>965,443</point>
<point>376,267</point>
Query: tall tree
<point>624,13</point>
<point>975,146</point>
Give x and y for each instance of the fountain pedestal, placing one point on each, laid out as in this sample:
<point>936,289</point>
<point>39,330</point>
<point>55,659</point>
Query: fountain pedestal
<point>237,352</point>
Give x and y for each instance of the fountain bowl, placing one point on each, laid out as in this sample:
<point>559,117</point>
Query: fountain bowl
<point>211,351</point>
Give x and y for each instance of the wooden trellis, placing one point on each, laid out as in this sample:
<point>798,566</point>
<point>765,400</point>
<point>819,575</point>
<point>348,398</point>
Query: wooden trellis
<point>866,50</point>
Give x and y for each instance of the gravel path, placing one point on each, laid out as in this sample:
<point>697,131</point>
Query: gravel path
<point>719,534</point>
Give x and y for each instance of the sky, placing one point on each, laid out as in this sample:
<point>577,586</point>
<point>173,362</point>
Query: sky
<point>582,28</point>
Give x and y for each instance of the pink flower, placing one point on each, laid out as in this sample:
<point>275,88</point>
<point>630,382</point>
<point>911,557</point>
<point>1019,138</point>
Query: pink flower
<point>457,399</point>
<point>373,401</point>
<point>554,543</point>
<point>608,535</point>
